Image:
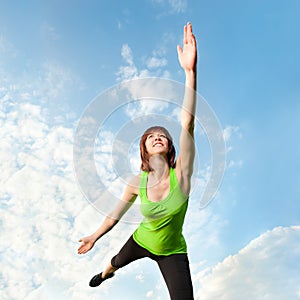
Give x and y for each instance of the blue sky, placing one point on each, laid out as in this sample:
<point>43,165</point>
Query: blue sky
<point>57,56</point>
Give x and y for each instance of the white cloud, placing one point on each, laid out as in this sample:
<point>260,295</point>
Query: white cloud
<point>145,107</point>
<point>154,65</point>
<point>174,6</point>
<point>49,31</point>
<point>45,84</point>
<point>119,24</point>
<point>150,294</point>
<point>43,213</point>
<point>230,131</point>
<point>154,68</point>
<point>129,71</point>
<point>235,164</point>
<point>267,268</point>
<point>155,62</point>
<point>140,277</point>
<point>126,53</point>
<point>178,6</point>
<point>55,80</point>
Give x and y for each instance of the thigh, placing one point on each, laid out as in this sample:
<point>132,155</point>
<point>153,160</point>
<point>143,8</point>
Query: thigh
<point>176,272</point>
<point>130,252</point>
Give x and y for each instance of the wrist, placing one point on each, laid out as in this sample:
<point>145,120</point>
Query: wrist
<point>191,73</point>
<point>94,238</point>
<point>191,79</point>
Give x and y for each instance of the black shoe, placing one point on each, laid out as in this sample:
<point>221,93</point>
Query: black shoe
<point>97,279</point>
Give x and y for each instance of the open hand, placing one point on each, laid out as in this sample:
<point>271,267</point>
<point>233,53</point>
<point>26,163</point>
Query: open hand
<point>187,55</point>
<point>87,243</point>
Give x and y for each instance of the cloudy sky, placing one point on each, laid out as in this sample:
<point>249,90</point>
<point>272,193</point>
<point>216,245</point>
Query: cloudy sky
<point>59,57</point>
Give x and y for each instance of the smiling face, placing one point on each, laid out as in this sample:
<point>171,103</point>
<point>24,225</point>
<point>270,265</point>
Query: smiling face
<point>156,140</point>
<point>156,143</point>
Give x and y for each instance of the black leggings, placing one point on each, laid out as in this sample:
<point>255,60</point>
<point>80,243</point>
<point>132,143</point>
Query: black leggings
<point>174,268</point>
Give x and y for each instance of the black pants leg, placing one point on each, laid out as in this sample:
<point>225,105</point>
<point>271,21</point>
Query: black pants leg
<point>176,272</point>
<point>174,268</point>
<point>130,252</point>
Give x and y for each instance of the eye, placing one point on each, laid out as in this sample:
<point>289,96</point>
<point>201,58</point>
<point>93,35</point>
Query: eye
<point>163,136</point>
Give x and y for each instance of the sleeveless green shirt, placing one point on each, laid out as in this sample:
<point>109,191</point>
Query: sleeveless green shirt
<point>160,232</point>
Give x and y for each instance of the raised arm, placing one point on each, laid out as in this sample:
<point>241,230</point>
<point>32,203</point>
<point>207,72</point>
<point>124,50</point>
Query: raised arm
<point>113,218</point>
<point>187,56</point>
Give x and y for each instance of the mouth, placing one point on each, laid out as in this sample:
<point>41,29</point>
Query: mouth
<point>158,145</point>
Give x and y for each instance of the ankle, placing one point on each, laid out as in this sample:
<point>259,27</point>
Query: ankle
<point>106,275</point>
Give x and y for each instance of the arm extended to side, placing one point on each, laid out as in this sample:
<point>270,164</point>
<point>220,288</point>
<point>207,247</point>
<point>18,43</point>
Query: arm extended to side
<point>113,218</point>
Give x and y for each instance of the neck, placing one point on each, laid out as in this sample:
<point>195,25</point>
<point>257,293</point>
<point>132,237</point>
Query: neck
<point>159,166</point>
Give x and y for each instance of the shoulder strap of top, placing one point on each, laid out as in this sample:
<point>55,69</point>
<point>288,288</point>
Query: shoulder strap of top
<point>173,179</point>
<point>143,184</point>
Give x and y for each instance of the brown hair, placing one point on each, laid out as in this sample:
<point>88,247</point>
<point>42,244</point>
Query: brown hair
<point>143,151</point>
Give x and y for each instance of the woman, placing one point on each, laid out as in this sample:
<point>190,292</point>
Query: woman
<point>163,186</point>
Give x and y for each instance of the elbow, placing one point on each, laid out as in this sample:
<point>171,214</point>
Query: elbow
<point>188,124</point>
<point>187,174</point>
<point>111,221</point>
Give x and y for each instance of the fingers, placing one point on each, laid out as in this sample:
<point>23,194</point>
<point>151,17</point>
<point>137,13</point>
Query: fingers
<point>193,41</point>
<point>179,50</point>
<point>185,38</point>
<point>82,250</point>
<point>188,36</point>
<point>85,246</point>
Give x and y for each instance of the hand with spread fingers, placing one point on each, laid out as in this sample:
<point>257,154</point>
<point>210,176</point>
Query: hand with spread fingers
<point>87,243</point>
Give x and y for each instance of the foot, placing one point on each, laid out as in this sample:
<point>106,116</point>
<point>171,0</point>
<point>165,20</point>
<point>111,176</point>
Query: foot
<point>97,279</point>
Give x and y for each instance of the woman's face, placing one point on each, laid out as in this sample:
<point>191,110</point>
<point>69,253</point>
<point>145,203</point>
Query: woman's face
<point>156,143</point>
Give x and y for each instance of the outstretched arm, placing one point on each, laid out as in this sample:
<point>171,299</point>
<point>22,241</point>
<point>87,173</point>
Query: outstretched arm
<point>113,218</point>
<point>187,56</point>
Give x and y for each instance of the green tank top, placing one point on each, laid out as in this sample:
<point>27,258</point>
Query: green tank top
<point>160,232</point>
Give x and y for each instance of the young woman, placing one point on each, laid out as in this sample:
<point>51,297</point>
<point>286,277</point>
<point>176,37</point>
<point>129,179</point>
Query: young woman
<point>163,186</point>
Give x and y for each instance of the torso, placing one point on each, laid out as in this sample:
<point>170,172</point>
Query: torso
<point>157,191</point>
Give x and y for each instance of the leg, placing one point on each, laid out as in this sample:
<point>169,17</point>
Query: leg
<point>176,272</point>
<point>109,270</point>
<point>130,252</point>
